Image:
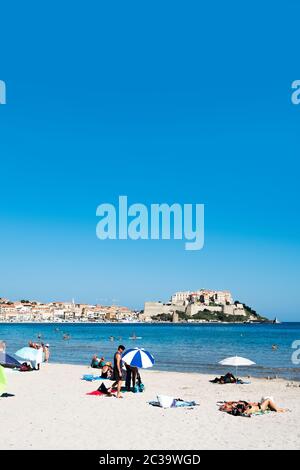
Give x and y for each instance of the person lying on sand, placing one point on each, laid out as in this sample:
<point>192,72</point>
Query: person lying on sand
<point>225,379</point>
<point>244,408</point>
<point>264,405</point>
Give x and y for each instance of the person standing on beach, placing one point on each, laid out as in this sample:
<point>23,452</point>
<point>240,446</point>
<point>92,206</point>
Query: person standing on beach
<point>117,371</point>
<point>2,351</point>
<point>46,352</point>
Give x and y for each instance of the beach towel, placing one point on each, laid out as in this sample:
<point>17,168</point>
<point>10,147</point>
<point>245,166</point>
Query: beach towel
<point>102,391</point>
<point>91,378</point>
<point>258,413</point>
<point>238,382</point>
<point>99,393</point>
<point>177,403</point>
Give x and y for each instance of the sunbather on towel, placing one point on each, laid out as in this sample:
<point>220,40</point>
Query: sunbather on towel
<point>264,405</point>
<point>225,379</point>
<point>244,408</point>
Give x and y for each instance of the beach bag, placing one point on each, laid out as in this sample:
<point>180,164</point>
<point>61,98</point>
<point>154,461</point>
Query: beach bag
<point>138,388</point>
<point>25,368</point>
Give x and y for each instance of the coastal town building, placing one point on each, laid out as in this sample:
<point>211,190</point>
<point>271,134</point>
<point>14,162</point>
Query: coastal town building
<point>204,296</point>
<point>200,305</point>
<point>26,311</point>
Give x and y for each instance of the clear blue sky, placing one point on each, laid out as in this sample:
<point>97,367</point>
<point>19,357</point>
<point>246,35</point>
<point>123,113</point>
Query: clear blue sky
<point>163,102</point>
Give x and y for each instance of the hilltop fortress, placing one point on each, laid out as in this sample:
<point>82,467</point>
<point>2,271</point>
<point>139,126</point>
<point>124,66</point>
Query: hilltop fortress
<point>201,305</point>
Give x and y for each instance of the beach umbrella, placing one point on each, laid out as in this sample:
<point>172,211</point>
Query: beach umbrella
<point>3,380</point>
<point>236,361</point>
<point>138,357</point>
<point>8,361</point>
<point>30,354</point>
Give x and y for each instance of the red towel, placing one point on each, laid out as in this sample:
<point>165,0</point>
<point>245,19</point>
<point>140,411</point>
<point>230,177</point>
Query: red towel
<point>97,393</point>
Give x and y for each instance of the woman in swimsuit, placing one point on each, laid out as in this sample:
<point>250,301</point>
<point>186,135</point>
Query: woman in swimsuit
<point>248,408</point>
<point>265,405</point>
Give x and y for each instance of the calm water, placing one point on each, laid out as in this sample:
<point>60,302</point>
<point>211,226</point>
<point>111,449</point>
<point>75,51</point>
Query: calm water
<point>176,347</point>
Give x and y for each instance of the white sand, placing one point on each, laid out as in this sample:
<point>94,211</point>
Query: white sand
<point>50,410</point>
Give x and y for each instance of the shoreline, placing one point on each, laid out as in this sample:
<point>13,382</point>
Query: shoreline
<point>241,374</point>
<point>194,322</point>
<point>206,375</point>
<point>88,338</point>
<point>57,414</point>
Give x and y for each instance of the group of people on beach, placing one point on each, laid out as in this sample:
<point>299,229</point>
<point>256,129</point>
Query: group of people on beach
<point>45,352</point>
<point>44,347</point>
<point>119,372</point>
<point>241,407</point>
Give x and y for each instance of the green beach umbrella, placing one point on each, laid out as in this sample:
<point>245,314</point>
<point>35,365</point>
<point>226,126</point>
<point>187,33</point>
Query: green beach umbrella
<point>3,380</point>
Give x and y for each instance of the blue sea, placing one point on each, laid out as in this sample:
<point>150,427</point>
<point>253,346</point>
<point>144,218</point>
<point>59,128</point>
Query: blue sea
<point>176,347</point>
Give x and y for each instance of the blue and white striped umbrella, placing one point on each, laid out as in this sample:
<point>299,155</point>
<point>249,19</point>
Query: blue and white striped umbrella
<point>138,357</point>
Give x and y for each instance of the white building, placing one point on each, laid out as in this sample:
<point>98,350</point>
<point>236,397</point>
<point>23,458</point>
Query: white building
<point>203,296</point>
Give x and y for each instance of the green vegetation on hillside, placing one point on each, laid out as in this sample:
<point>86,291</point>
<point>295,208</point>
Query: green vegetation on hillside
<point>207,315</point>
<point>162,317</point>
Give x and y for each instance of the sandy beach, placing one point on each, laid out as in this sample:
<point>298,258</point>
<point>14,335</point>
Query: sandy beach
<point>50,410</point>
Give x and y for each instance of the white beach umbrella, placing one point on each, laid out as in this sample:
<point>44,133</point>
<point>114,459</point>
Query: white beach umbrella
<point>30,354</point>
<point>236,361</point>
